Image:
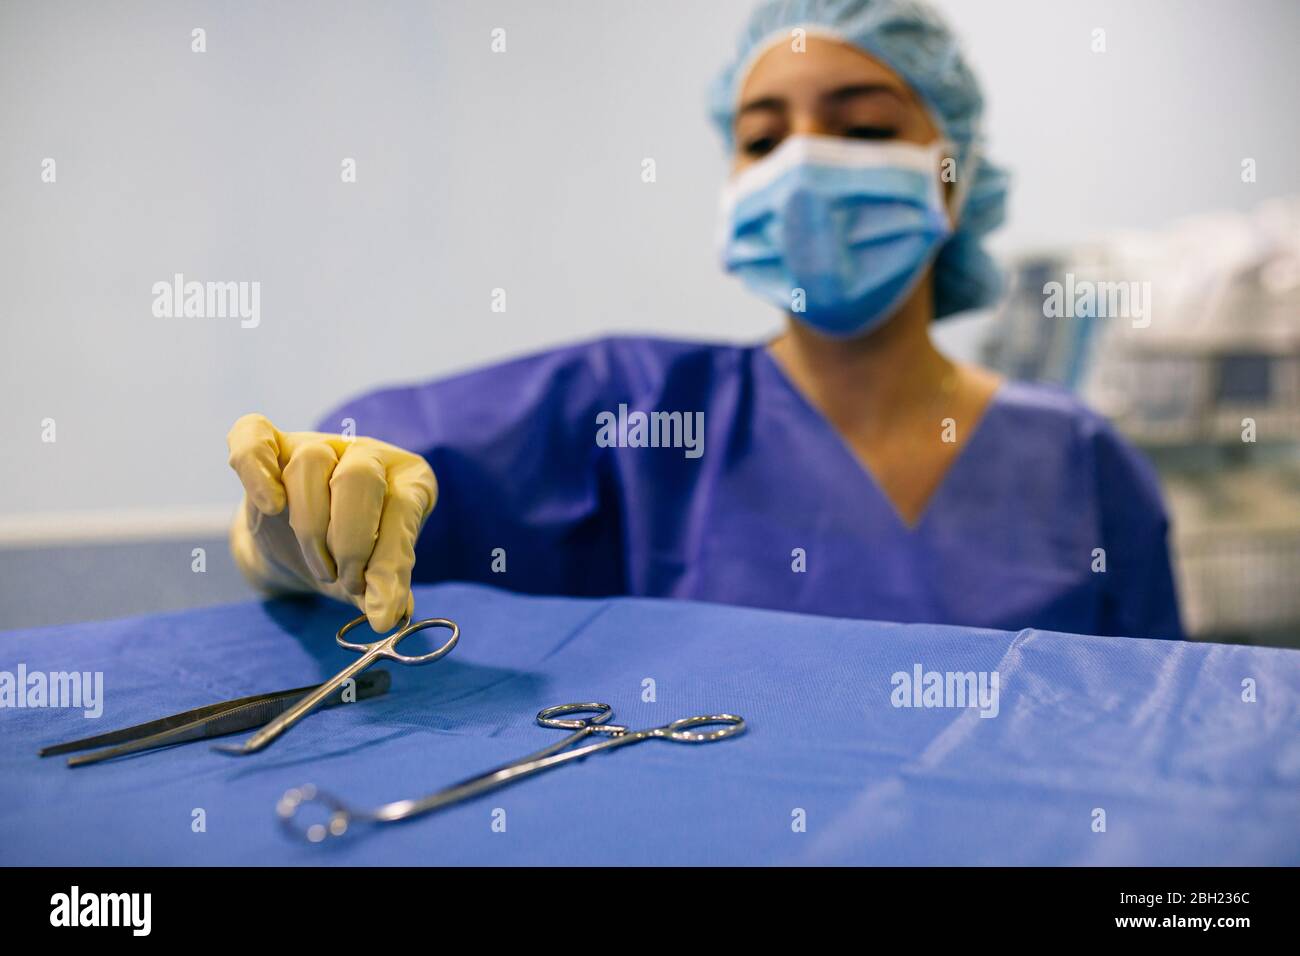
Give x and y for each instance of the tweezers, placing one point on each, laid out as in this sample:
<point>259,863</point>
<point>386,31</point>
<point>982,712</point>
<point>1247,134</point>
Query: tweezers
<point>214,720</point>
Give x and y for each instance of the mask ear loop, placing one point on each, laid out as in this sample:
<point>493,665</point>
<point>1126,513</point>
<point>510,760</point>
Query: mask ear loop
<point>967,171</point>
<point>951,203</point>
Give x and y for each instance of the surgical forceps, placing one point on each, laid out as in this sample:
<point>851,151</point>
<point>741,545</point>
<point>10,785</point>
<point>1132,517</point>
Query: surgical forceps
<point>341,815</point>
<point>214,720</point>
<point>384,647</point>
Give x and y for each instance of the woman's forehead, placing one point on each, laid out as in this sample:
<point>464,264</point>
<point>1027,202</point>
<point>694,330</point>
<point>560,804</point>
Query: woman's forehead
<point>820,67</point>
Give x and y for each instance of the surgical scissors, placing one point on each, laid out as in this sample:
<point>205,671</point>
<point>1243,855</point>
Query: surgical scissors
<point>341,815</point>
<point>370,653</point>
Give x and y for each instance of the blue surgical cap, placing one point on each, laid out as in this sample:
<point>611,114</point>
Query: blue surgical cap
<point>911,38</point>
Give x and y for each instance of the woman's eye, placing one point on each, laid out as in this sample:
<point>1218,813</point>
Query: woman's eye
<point>760,147</point>
<point>870,132</point>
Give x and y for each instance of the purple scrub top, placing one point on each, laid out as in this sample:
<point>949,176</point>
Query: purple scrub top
<point>540,472</point>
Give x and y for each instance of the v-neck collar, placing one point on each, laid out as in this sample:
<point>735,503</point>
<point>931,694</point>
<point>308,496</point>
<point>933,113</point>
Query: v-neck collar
<point>909,528</point>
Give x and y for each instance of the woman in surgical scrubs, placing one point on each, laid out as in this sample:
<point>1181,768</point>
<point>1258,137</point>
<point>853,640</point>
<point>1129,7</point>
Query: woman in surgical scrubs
<point>845,468</point>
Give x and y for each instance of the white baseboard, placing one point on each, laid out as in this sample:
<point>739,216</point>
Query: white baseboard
<point>61,528</point>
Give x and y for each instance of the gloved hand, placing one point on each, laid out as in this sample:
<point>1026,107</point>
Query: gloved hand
<point>329,514</point>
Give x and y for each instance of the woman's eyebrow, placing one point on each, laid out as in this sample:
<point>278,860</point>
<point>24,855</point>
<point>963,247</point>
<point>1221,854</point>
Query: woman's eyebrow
<point>763,104</point>
<point>837,97</point>
<point>855,90</point>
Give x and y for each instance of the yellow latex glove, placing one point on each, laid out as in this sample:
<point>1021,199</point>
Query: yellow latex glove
<point>329,514</point>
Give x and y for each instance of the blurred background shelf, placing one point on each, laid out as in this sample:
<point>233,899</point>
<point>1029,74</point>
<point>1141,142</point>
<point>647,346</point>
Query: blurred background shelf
<point>1203,375</point>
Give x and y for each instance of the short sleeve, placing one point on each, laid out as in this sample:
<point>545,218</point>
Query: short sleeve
<point>524,497</point>
<point>1138,593</point>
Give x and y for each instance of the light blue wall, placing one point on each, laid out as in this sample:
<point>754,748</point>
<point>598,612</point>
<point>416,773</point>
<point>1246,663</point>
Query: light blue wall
<point>477,171</point>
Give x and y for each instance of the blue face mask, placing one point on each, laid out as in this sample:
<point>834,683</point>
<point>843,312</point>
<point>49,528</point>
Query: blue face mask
<point>836,232</point>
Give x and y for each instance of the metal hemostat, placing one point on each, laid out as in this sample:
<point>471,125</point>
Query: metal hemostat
<point>385,647</point>
<point>341,816</point>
